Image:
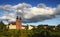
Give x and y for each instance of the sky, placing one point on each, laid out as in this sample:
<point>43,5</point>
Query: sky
<point>33,12</point>
<point>52,3</point>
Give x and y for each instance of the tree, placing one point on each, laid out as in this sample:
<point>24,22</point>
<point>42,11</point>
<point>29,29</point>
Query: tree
<point>58,25</point>
<point>2,26</point>
<point>2,29</point>
<point>40,26</point>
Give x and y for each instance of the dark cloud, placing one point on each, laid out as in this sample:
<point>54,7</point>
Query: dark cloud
<point>38,18</point>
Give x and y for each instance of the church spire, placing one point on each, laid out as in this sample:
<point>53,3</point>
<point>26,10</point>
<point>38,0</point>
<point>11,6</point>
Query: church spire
<point>18,23</point>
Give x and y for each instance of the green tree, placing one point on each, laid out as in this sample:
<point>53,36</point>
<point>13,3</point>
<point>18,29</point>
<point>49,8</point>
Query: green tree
<point>2,29</point>
<point>58,25</point>
<point>2,26</point>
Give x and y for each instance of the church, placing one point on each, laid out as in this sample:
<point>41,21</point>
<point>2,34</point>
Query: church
<point>18,25</point>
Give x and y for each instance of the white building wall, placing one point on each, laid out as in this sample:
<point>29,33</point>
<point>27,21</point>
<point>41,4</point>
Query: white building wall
<point>12,26</point>
<point>30,27</point>
<point>23,27</point>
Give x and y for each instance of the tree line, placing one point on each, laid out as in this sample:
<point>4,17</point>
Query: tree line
<point>35,32</point>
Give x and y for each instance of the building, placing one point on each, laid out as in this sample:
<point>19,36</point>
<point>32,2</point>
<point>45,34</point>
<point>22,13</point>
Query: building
<point>45,26</point>
<point>18,25</point>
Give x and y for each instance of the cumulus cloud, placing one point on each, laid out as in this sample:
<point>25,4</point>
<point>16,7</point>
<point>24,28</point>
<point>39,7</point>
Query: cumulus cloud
<point>9,17</point>
<point>57,11</point>
<point>30,14</point>
<point>41,5</point>
<point>6,7</point>
<point>21,6</point>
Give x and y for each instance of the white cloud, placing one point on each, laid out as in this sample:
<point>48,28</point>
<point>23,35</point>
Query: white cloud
<point>6,7</point>
<point>31,14</point>
<point>41,5</point>
<point>57,11</point>
<point>34,11</point>
<point>21,6</point>
<point>9,17</point>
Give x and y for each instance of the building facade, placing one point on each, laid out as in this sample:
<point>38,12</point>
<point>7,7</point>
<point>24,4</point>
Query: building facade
<point>18,25</point>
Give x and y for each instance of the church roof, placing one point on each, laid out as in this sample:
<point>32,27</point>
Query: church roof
<point>13,23</point>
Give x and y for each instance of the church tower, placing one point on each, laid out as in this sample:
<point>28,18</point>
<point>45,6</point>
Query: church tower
<point>18,23</point>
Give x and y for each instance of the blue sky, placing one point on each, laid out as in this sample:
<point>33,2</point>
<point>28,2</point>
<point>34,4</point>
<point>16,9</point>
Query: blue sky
<point>52,3</point>
<point>48,3</point>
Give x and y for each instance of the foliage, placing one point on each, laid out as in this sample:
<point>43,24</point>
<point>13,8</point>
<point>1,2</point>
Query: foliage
<point>35,32</point>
